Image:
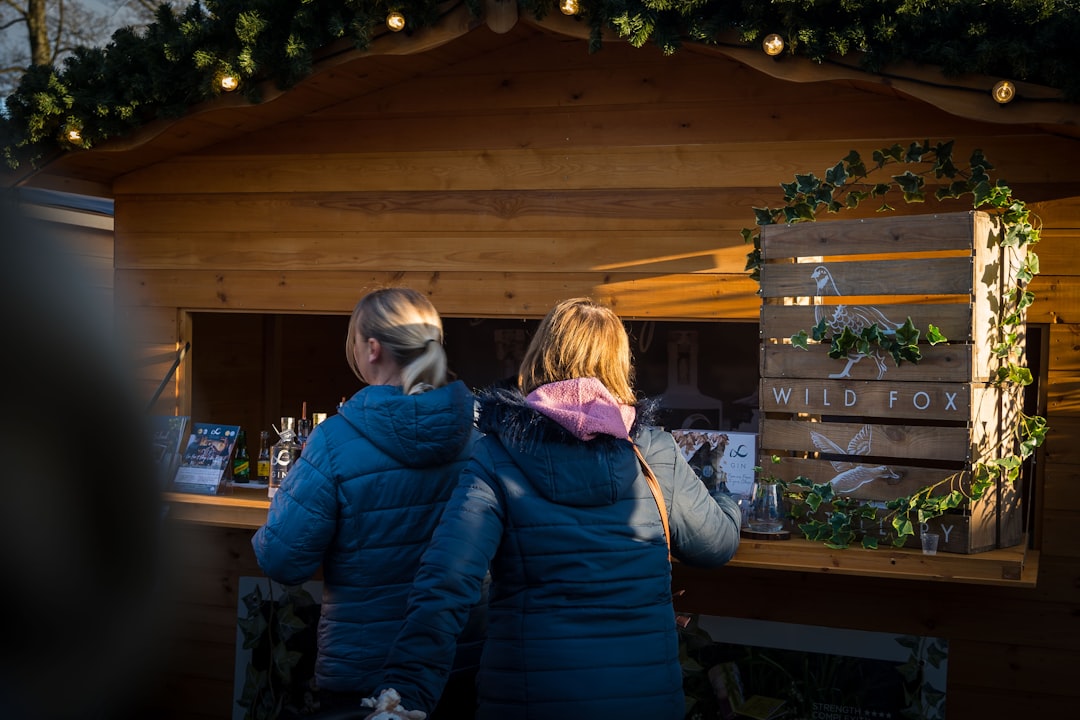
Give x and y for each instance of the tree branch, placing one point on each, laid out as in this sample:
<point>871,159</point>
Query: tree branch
<point>10,23</point>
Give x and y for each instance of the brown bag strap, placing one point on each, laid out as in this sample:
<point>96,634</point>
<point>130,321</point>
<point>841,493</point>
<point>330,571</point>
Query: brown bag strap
<point>681,619</point>
<point>658,496</point>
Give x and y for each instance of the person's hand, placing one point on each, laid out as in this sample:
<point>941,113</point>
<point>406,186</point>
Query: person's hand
<point>397,715</point>
<point>388,707</point>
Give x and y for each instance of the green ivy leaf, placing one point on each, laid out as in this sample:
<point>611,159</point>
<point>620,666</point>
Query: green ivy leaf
<point>252,628</point>
<point>1020,375</point>
<point>909,182</point>
<point>807,184</point>
<point>763,216</point>
<point>799,340</point>
<point>855,166</point>
<point>907,334</point>
<point>836,175</point>
<point>803,211</point>
<point>914,153</point>
<point>843,344</point>
<point>1029,268</point>
<point>934,336</point>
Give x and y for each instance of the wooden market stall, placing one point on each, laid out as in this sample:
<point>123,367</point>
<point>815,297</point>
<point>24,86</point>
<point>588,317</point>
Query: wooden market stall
<point>500,170</point>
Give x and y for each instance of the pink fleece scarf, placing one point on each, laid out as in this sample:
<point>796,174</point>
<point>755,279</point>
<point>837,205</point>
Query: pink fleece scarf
<point>584,407</point>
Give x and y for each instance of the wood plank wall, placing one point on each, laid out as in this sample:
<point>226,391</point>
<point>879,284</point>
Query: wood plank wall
<point>509,179</point>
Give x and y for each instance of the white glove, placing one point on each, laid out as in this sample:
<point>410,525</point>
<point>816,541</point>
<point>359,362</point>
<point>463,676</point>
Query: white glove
<point>388,707</point>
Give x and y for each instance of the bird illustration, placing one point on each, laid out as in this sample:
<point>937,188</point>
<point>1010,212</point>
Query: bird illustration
<point>851,476</point>
<point>855,317</point>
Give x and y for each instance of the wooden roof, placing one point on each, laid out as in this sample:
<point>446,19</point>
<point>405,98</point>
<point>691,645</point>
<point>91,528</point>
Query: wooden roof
<point>344,73</point>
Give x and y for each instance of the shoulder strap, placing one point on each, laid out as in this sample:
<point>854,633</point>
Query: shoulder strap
<point>658,495</point>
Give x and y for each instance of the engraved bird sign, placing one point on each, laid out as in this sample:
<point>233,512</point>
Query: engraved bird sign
<point>855,317</point>
<point>851,476</point>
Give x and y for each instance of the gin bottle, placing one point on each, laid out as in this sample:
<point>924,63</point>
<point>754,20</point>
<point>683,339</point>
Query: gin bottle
<point>283,455</point>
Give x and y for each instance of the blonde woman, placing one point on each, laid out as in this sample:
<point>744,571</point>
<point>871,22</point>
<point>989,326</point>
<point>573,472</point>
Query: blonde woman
<point>580,620</point>
<point>368,490</point>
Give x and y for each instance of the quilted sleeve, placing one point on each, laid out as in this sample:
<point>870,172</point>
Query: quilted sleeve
<point>300,525</point>
<point>704,530</point>
<point>447,586</point>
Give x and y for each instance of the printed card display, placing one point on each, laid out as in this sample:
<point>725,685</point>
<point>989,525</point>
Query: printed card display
<point>167,436</point>
<point>206,459</point>
<point>719,456</point>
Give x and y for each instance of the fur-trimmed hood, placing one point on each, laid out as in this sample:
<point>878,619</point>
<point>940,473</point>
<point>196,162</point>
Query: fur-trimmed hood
<point>561,467</point>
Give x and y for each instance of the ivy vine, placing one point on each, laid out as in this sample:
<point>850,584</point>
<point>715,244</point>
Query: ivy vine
<point>846,185</point>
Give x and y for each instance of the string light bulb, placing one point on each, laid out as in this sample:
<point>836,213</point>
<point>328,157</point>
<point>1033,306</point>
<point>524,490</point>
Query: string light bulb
<point>773,44</point>
<point>74,135</point>
<point>395,21</point>
<point>569,7</point>
<point>229,83</point>
<point>1003,92</point>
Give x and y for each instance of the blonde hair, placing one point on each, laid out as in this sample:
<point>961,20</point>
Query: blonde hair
<point>408,327</point>
<point>580,338</point>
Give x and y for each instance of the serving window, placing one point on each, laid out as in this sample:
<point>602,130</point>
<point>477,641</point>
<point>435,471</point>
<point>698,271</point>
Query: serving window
<point>252,369</point>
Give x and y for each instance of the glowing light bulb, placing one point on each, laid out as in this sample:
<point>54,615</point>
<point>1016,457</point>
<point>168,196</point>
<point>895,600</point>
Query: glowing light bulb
<point>773,44</point>
<point>569,7</point>
<point>1003,92</point>
<point>229,83</point>
<point>395,21</point>
<point>74,135</point>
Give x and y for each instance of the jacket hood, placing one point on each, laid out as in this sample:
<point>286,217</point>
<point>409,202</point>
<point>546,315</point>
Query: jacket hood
<point>561,467</point>
<point>584,407</point>
<point>431,428</point>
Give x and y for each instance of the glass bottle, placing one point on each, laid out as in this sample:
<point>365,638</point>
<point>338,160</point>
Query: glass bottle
<point>283,455</point>
<point>241,465</point>
<point>262,460</point>
<point>303,427</point>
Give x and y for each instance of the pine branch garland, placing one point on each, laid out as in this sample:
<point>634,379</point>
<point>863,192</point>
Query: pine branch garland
<point>177,61</point>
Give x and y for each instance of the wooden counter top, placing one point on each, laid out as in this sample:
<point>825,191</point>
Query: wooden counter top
<point>1013,567</point>
<point>238,508</point>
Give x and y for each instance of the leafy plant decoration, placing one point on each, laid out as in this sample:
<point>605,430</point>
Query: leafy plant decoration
<point>846,185</point>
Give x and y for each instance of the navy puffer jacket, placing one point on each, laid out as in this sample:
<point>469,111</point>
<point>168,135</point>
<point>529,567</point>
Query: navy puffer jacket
<point>363,502</point>
<point>580,621</point>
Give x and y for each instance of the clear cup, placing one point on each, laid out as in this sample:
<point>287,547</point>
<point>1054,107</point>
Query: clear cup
<point>766,512</point>
<point>929,543</point>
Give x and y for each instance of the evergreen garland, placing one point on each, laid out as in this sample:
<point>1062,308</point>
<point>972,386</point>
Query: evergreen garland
<point>163,69</point>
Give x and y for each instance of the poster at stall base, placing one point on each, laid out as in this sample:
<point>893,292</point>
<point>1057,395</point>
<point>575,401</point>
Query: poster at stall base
<point>263,606</point>
<point>806,672</point>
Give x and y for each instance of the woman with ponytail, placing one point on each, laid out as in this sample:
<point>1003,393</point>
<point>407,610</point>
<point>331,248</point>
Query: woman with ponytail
<point>367,492</point>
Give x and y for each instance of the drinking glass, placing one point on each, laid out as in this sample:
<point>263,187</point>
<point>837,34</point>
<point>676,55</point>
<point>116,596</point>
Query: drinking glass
<point>766,513</point>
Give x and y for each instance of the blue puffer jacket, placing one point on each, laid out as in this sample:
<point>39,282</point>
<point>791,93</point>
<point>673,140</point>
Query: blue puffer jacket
<point>362,502</point>
<point>580,621</point>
